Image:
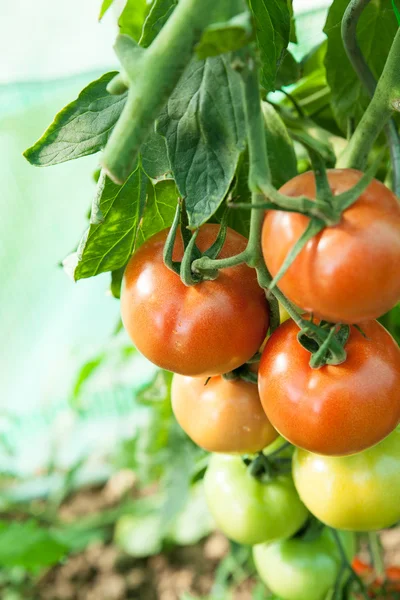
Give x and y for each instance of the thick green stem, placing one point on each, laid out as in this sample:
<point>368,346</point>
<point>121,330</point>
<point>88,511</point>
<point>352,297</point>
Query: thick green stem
<point>376,554</point>
<point>379,111</point>
<point>157,72</point>
<point>353,50</point>
<point>346,564</point>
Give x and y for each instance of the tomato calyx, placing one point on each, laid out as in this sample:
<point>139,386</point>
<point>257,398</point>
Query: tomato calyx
<point>184,268</point>
<point>325,342</point>
<point>264,468</point>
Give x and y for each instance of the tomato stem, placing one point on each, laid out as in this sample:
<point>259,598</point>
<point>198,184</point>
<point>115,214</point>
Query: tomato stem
<point>376,554</point>
<point>349,35</point>
<point>379,111</point>
<point>346,564</point>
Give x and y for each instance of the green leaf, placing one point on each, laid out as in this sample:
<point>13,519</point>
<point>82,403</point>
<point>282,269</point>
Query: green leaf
<point>273,24</point>
<point>159,13</point>
<point>375,32</point>
<point>116,281</point>
<point>110,239</point>
<point>307,132</point>
<point>225,37</point>
<point>281,154</point>
<point>28,545</point>
<point>396,10</point>
<point>292,35</point>
<point>132,18</point>
<point>203,124</point>
<point>105,5</point>
<point>81,128</point>
<point>85,372</point>
<point>155,162</point>
<point>288,72</point>
<point>159,210</point>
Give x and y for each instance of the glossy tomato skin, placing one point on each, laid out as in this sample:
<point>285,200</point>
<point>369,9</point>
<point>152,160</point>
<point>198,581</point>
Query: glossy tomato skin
<point>297,569</point>
<point>246,510</point>
<point>357,493</point>
<point>334,410</point>
<point>347,273</point>
<point>206,329</point>
<point>220,415</point>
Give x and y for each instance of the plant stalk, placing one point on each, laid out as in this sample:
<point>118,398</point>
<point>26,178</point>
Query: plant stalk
<point>349,35</point>
<point>384,101</point>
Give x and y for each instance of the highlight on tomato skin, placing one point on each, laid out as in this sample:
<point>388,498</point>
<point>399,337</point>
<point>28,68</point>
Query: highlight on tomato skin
<point>334,410</point>
<point>348,273</point>
<point>221,415</point>
<point>355,493</point>
<point>207,329</point>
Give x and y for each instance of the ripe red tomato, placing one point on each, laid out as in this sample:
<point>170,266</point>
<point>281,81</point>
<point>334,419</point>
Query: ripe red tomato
<point>222,416</point>
<point>334,410</point>
<point>206,329</point>
<point>347,273</point>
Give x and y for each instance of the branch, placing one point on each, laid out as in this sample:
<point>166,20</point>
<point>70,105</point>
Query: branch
<point>153,75</point>
<point>385,100</point>
<point>349,35</point>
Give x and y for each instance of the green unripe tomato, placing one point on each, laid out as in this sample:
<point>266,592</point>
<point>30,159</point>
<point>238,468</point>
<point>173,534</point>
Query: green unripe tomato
<point>247,510</point>
<point>359,492</point>
<point>297,569</point>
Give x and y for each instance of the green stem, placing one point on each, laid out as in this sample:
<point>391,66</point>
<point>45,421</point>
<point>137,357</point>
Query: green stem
<point>378,113</point>
<point>157,72</point>
<point>353,50</point>
<point>347,565</point>
<point>376,553</point>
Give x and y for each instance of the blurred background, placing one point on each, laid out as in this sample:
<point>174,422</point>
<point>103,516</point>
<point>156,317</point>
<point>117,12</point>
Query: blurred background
<point>86,431</point>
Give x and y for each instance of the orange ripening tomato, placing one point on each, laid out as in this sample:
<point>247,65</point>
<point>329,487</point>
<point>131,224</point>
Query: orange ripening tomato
<point>334,410</point>
<point>205,329</point>
<point>221,416</point>
<point>347,273</point>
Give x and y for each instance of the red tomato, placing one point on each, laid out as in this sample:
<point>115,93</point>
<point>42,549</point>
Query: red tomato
<point>222,416</point>
<point>334,410</point>
<point>206,329</point>
<point>347,273</point>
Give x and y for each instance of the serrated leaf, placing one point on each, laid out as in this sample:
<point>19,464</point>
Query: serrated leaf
<point>81,128</point>
<point>132,18</point>
<point>159,210</point>
<point>159,13</point>
<point>203,124</point>
<point>110,239</point>
<point>375,32</point>
<point>105,5</point>
<point>225,37</point>
<point>281,154</point>
<point>28,545</point>
<point>273,25</point>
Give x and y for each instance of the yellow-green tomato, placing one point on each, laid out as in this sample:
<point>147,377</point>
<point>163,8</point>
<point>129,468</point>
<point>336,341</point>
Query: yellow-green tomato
<point>297,569</point>
<point>247,510</point>
<point>359,492</point>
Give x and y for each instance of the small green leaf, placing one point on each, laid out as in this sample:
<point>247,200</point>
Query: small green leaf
<point>105,5</point>
<point>116,281</point>
<point>159,13</point>
<point>132,18</point>
<point>281,154</point>
<point>155,162</point>
<point>85,372</point>
<point>116,212</point>
<point>28,545</point>
<point>288,71</point>
<point>375,32</point>
<point>159,211</point>
<point>203,124</point>
<point>273,24</point>
<point>225,37</point>
<point>81,128</point>
<point>396,10</point>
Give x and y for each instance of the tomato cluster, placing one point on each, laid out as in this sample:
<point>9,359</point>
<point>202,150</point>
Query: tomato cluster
<point>341,418</point>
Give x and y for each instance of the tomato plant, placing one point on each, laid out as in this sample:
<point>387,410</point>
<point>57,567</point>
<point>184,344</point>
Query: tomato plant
<point>221,210</point>
<point>247,510</point>
<point>359,492</point>
<point>300,569</point>
<point>206,329</point>
<point>221,415</point>
<point>334,410</point>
